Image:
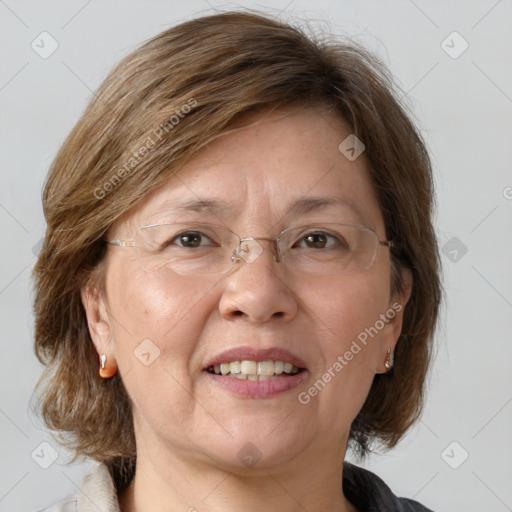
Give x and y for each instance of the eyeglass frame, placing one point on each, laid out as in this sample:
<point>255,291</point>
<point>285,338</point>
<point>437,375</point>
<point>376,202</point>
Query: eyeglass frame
<point>235,256</point>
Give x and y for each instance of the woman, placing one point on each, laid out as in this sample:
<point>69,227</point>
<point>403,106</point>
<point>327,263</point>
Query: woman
<point>240,277</point>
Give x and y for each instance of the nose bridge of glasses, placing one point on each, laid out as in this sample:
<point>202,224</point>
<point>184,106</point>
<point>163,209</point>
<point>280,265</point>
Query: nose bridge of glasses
<point>249,249</point>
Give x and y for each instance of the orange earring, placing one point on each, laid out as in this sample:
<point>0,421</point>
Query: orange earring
<point>106,373</point>
<point>389,360</point>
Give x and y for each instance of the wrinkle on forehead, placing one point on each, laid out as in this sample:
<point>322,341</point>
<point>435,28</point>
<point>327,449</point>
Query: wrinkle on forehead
<point>266,171</point>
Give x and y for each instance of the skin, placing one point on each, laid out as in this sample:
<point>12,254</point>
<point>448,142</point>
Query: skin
<point>188,430</point>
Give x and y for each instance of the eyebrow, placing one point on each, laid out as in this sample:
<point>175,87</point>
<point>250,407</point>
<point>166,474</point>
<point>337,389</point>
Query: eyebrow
<point>310,204</point>
<point>211,206</point>
<point>215,207</point>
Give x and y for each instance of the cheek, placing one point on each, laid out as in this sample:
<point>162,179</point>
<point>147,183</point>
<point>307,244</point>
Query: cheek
<point>348,316</point>
<point>171,316</point>
<point>345,306</point>
<point>170,313</point>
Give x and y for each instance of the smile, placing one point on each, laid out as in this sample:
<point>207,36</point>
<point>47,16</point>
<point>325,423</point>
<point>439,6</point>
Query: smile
<point>255,370</point>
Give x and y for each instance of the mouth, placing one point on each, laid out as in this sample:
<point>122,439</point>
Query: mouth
<point>255,370</point>
<point>248,361</point>
<point>257,373</point>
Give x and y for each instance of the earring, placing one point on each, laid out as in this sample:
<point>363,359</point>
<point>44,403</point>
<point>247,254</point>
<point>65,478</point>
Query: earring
<point>106,373</point>
<point>389,360</point>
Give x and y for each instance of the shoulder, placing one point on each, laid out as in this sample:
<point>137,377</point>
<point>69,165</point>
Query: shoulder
<point>370,493</point>
<point>69,504</point>
<point>97,488</point>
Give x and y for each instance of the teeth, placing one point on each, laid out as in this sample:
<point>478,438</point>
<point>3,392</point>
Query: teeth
<point>266,368</point>
<point>249,367</point>
<point>243,376</point>
<point>254,370</point>
<point>234,367</point>
<point>288,367</point>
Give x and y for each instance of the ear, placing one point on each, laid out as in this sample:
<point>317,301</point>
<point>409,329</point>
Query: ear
<point>98,321</point>
<point>395,316</point>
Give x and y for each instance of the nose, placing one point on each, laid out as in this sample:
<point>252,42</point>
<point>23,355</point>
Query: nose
<point>257,290</point>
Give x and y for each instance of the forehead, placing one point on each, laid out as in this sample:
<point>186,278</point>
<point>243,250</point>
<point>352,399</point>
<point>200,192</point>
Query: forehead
<point>284,165</point>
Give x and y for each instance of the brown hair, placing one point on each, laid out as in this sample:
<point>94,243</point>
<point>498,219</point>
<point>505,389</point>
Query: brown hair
<point>176,93</point>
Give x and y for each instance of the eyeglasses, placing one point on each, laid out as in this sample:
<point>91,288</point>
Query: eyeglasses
<point>202,249</point>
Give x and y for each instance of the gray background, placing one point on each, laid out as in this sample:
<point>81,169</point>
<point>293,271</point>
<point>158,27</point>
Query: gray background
<point>463,104</point>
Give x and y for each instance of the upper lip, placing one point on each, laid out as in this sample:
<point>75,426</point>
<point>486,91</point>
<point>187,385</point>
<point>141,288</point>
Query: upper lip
<point>254,354</point>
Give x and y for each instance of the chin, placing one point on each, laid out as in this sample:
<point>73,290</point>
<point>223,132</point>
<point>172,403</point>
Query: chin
<point>256,449</point>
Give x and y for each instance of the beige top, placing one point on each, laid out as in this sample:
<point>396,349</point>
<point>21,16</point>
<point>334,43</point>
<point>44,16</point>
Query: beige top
<point>97,494</point>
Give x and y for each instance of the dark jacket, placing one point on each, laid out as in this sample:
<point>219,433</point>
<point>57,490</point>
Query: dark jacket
<point>368,493</point>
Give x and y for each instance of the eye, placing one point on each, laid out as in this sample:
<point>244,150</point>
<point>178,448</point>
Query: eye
<point>321,240</point>
<point>190,239</point>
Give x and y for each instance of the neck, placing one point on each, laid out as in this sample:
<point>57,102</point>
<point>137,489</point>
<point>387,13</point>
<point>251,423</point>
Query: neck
<point>182,483</point>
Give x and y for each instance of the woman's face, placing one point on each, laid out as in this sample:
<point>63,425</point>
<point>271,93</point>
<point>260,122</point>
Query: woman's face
<point>163,330</point>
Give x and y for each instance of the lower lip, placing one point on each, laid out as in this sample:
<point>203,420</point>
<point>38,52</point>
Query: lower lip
<point>258,389</point>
